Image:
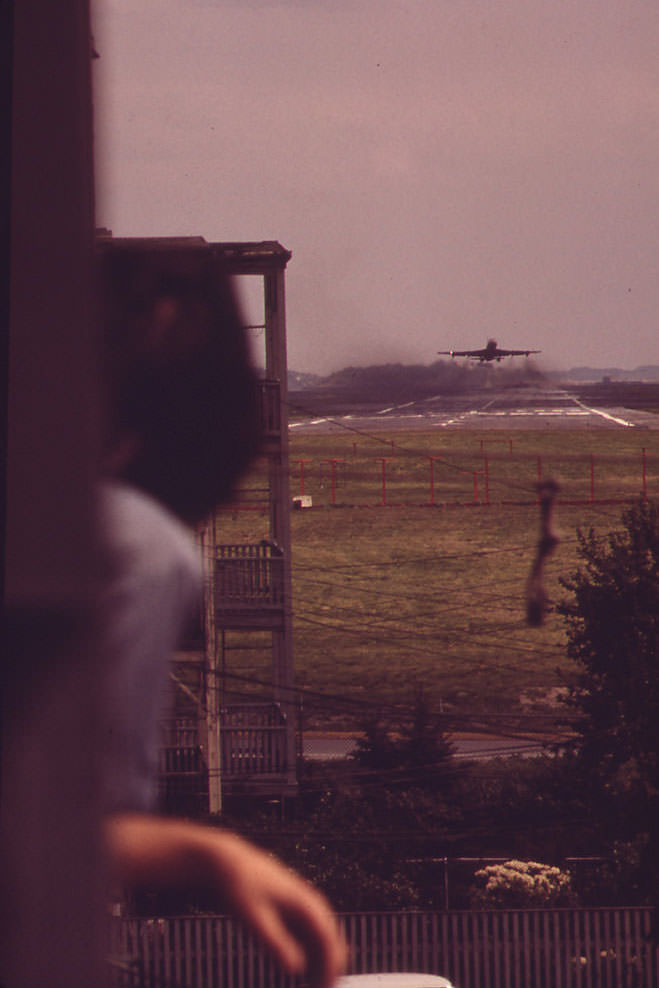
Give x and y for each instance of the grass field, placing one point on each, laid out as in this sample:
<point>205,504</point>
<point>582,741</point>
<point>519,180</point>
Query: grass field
<point>428,591</point>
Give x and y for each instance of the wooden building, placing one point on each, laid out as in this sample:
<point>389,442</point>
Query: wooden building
<point>212,745</point>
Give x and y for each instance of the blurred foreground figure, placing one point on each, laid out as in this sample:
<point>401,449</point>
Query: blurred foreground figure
<point>182,427</point>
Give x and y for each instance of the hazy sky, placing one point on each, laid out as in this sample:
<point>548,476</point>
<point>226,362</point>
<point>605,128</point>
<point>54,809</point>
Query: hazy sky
<point>442,170</point>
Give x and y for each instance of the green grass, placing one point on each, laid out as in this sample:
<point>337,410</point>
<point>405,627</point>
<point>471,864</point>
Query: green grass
<point>390,599</point>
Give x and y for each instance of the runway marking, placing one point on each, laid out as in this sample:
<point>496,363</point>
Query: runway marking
<point>294,425</point>
<point>437,419</point>
<point>395,408</point>
<point>605,415</point>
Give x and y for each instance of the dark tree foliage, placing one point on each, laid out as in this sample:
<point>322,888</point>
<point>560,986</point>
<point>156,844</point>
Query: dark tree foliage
<point>612,623</point>
<point>420,754</point>
<point>612,618</point>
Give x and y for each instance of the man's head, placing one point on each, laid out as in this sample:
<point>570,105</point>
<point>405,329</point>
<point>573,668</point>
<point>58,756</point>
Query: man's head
<point>182,396</point>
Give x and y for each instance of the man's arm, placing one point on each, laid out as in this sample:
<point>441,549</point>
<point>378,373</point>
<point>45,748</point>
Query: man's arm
<point>287,913</point>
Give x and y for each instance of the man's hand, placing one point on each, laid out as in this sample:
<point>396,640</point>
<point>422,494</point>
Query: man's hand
<point>286,912</point>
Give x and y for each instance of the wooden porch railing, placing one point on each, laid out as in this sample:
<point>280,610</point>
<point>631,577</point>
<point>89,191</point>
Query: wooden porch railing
<point>180,751</point>
<point>248,577</point>
<point>558,948</point>
<point>253,740</point>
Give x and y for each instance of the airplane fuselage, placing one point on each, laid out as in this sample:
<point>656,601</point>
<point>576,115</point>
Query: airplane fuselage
<point>488,353</point>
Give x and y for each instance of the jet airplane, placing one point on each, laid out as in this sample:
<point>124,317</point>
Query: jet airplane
<point>488,353</point>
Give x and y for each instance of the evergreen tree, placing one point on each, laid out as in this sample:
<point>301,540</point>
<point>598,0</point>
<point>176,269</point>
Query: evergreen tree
<point>420,754</point>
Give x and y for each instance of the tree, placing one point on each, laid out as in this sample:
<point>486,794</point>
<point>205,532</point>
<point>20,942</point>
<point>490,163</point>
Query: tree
<point>420,755</point>
<point>612,619</point>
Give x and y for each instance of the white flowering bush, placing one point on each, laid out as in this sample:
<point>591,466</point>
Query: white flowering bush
<point>521,884</point>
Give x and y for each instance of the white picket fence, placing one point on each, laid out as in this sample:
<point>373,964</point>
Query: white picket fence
<point>557,948</point>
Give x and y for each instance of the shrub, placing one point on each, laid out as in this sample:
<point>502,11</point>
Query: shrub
<point>521,884</point>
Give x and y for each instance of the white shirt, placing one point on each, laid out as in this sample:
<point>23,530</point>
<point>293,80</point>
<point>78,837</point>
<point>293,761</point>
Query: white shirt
<point>154,583</point>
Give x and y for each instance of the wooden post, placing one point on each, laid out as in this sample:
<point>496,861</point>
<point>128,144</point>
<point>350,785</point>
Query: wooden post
<point>51,671</point>
<point>280,514</point>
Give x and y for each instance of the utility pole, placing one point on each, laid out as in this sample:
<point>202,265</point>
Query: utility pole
<point>212,693</point>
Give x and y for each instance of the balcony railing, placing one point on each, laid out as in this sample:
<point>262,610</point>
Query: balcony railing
<point>182,775</point>
<point>180,752</point>
<point>248,577</point>
<point>253,741</point>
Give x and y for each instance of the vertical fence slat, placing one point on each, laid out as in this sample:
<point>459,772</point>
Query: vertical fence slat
<point>478,938</point>
<point>509,950</point>
<point>395,948</point>
<point>496,950</point>
<point>456,967</point>
<point>527,944</point>
<point>559,973</point>
<point>445,941</point>
<point>588,948</point>
<point>535,948</point>
<point>618,948</point>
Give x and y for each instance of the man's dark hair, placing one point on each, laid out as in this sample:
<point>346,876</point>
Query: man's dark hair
<point>179,379</point>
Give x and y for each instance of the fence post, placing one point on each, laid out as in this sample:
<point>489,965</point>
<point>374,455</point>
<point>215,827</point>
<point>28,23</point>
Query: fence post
<point>432,479</point>
<point>302,462</point>
<point>487,480</point>
<point>384,460</point>
<point>333,463</point>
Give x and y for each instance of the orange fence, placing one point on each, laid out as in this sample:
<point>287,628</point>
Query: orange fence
<point>471,479</point>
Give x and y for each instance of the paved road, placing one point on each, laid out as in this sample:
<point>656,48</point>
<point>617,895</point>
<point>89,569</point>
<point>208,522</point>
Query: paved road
<point>334,749</point>
<point>516,408</point>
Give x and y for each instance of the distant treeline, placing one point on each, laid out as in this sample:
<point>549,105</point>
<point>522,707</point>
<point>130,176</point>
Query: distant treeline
<point>450,377</point>
<point>399,381</point>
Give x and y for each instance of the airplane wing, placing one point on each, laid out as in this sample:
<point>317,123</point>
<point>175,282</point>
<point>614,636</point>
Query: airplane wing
<point>517,353</point>
<point>459,353</point>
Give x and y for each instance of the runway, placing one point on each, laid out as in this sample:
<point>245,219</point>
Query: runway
<point>515,408</point>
